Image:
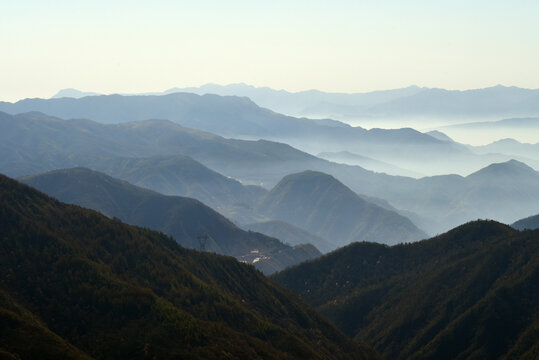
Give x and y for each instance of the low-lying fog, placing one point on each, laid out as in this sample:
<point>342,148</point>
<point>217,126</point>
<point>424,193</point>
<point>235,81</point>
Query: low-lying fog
<point>474,131</point>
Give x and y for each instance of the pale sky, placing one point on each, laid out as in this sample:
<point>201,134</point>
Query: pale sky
<point>342,46</point>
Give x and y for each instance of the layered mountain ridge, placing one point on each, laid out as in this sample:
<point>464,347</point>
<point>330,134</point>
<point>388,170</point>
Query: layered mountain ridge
<point>324,206</point>
<point>186,219</point>
<point>35,143</point>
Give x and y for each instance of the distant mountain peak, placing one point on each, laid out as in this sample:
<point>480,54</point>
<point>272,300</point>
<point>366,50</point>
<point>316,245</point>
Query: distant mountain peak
<point>439,135</point>
<point>506,141</point>
<point>312,181</point>
<point>72,93</point>
<point>512,167</point>
<point>324,206</point>
<point>309,175</point>
<point>513,163</point>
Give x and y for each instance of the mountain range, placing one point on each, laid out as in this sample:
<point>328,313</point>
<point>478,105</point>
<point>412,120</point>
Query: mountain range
<point>183,218</point>
<point>470,293</point>
<point>184,176</point>
<point>502,191</point>
<point>484,132</point>
<point>346,157</point>
<point>34,143</point>
<point>166,172</point>
<point>324,206</point>
<point>410,101</point>
<point>505,124</point>
<point>78,285</point>
<point>512,147</point>
<point>239,117</point>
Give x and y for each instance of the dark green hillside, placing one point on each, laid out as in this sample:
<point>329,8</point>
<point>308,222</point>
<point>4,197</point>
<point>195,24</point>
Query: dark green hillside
<point>531,223</point>
<point>324,206</point>
<point>116,291</point>
<point>183,218</point>
<point>468,294</point>
<point>23,334</point>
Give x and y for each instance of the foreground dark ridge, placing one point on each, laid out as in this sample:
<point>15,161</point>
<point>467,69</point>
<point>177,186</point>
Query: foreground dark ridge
<point>75,284</point>
<point>468,294</point>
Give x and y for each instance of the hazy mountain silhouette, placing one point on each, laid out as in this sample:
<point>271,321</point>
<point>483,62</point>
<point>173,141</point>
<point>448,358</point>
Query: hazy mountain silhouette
<point>35,143</point>
<point>73,93</point>
<point>439,135</point>
<point>525,129</point>
<point>223,115</point>
<point>183,218</point>
<point>346,157</point>
<point>311,102</point>
<point>503,191</point>
<point>529,223</point>
<point>467,294</point>
<point>324,206</point>
<point>409,101</point>
<point>493,101</point>
<point>182,175</point>
<point>72,276</point>
<point>303,103</point>
<point>239,117</point>
<point>512,147</point>
<point>290,234</point>
<point>527,123</point>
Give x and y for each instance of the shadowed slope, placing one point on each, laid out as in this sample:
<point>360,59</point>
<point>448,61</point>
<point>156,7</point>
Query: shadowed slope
<point>185,219</point>
<point>121,292</point>
<point>468,294</point>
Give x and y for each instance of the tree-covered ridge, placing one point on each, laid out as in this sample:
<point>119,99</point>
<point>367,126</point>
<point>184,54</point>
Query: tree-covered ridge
<point>468,294</point>
<point>23,334</point>
<point>116,291</point>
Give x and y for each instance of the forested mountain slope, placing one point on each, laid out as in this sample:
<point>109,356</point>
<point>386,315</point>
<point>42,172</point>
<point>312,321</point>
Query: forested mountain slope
<point>470,293</point>
<point>99,287</point>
